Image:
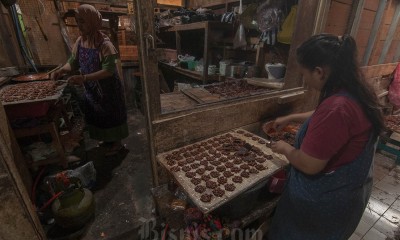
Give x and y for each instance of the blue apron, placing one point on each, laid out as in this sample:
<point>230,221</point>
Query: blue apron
<point>325,206</point>
<point>104,103</point>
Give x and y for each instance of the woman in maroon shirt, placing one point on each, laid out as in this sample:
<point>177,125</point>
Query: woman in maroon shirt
<point>330,178</point>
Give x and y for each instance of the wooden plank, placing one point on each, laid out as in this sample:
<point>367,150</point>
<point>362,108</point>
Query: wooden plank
<point>213,119</point>
<point>175,101</point>
<point>201,95</point>
<point>389,39</point>
<point>355,17</point>
<point>378,70</point>
<point>179,3</point>
<point>374,32</point>
<point>305,22</point>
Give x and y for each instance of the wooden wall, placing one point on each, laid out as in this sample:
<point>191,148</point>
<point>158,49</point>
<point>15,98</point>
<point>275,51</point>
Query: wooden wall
<point>9,51</point>
<point>46,52</point>
<point>337,23</point>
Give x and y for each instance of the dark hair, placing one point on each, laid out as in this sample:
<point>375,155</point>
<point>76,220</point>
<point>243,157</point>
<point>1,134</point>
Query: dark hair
<point>340,55</point>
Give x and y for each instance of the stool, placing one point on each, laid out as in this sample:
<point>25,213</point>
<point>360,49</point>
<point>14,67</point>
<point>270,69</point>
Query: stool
<point>48,125</point>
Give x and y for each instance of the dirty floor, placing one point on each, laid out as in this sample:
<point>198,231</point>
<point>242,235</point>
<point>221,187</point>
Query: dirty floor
<point>124,201</point>
<point>123,195</point>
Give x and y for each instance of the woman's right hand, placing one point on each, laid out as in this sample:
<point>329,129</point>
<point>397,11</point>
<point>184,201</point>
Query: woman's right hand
<point>56,74</point>
<point>281,122</point>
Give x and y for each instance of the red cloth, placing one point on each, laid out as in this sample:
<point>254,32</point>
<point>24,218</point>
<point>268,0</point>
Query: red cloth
<point>394,88</point>
<point>337,132</point>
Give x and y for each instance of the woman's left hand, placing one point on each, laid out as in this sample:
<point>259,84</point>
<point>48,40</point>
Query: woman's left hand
<point>281,147</point>
<point>76,79</point>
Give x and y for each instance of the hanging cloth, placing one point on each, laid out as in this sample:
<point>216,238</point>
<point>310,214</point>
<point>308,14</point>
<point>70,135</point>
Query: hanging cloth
<point>285,36</point>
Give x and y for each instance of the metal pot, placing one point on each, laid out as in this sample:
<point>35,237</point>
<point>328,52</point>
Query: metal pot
<point>236,70</point>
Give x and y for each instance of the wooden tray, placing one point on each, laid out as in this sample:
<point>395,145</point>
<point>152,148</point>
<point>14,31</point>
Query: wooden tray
<point>213,150</point>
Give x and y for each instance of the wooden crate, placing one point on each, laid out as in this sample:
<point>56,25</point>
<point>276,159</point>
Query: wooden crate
<point>128,52</point>
<point>166,54</point>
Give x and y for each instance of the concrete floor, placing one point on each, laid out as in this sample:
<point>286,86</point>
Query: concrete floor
<point>124,201</point>
<point>124,197</point>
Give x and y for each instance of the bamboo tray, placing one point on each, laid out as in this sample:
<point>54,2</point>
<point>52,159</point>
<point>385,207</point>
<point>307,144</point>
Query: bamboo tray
<point>213,150</point>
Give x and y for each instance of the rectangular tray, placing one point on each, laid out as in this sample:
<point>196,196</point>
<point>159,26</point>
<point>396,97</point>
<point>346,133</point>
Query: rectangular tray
<point>58,90</point>
<point>194,152</point>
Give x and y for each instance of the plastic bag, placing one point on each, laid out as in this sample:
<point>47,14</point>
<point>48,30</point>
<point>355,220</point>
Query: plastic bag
<point>268,17</point>
<point>285,36</point>
<point>240,38</point>
<point>394,88</point>
<point>85,173</point>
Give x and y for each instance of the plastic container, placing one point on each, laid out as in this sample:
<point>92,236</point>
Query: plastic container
<point>277,182</point>
<point>27,110</point>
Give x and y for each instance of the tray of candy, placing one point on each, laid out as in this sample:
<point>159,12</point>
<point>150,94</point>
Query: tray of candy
<point>216,170</point>
<point>31,92</point>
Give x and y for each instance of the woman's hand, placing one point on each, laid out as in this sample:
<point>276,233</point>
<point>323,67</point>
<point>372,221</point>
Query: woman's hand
<point>76,79</point>
<point>281,122</point>
<point>56,74</point>
<point>281,147</point>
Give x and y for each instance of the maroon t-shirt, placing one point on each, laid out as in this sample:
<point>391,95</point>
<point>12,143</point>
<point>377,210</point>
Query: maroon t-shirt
<point>338,132</point>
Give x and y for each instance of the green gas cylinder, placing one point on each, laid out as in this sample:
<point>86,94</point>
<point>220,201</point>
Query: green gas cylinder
<point>74,208</point>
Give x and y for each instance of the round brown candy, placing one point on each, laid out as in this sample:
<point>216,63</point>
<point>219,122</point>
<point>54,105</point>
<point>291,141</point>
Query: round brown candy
<point>222,180</point>
<point>230,187</point>
<point>260,160</point>
<point>245,174</point>
<point>237,179</point>
<point>190,174</point>
<point>216,163</point>
<point>200,188</point>
<point>206,177</point>
<point>209,168</point>
<point>218,192</point>
<point>228,174</point>
<point>260,167</point>
<point>237,161</point>
<point>206,197</point>
<point>235,169</point>
<point>211,184</point>
<point>176,169</point>
<point>253,171</point>
<point>171,162</point>
<point>221,168</point>
<point>196,181</point>
<point>244,166</point>
<point>200,171</point>
<point>186,168</point>
<point>214,174</point>
<point>229,164</point>
<point>195,165</point>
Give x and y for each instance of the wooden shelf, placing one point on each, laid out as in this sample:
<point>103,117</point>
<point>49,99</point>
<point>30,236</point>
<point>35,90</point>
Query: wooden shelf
<point>206,28</point>
<point>192,74</point>
<point>198,26</point>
